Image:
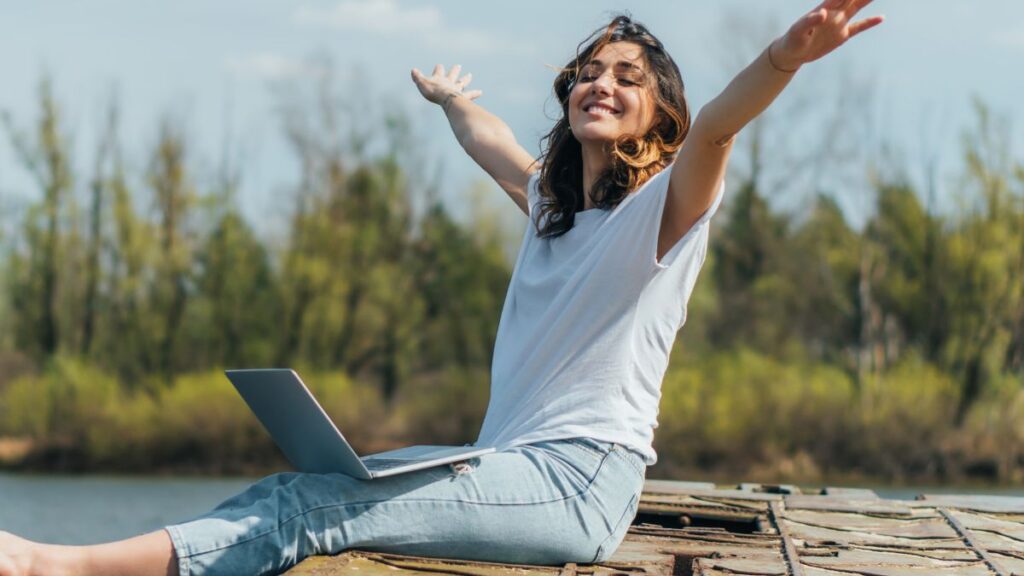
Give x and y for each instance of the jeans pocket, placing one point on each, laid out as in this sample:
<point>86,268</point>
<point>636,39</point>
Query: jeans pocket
<point>595,447</point>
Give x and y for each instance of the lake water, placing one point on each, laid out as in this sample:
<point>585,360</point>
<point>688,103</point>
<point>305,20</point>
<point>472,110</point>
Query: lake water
<point>91,509</point>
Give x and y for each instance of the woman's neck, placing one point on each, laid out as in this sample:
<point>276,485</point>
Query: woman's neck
<point>595,161</point>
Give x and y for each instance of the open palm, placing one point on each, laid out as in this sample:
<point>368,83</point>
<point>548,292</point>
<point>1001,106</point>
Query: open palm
<point>824,29</point>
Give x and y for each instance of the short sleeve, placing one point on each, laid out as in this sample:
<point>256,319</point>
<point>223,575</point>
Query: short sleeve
<point>639,224</point>
<point>695,237</point>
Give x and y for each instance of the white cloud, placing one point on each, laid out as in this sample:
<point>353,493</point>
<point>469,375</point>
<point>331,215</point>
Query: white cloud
<point>272,66</point>
<point>389,18</point>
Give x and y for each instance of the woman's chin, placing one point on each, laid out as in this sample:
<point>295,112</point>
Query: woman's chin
<point>590,136</point>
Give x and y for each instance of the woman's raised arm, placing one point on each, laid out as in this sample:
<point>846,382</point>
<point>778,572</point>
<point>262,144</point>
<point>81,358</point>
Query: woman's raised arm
<point>484,136</point>
<point>701,163</point>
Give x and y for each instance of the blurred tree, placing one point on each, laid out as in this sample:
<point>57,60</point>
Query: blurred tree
<point>987,261</point>
<point>126,342</point>
<point>824,263</point>
<point>755,293</point>
<point>94,247</point>
<point>35,270</point>
<point>175,200</point>
<point>236,289</point>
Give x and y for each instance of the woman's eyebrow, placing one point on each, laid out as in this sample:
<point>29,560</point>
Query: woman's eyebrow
<point>620,64</point>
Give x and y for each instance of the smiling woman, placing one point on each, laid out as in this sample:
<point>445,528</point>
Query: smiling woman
<point>594,159</point>
<point>589,320</point>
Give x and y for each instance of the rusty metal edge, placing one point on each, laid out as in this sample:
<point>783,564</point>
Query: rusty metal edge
<point>788,549</point>
<point>971,543</point>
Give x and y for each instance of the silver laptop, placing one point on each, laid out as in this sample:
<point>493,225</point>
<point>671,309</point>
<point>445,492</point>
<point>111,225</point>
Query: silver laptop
<point>311,441</point>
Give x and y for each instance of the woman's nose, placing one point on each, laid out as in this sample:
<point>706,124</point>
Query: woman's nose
<point>602,84</point>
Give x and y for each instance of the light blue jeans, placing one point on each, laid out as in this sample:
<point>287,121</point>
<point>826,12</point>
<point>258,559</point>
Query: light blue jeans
<point>544,503</point>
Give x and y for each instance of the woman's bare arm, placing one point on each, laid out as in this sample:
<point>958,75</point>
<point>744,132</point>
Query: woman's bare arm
<point>701,163</point>
<point>484,136</point>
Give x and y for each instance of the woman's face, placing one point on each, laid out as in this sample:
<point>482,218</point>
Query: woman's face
<point>608,99</point>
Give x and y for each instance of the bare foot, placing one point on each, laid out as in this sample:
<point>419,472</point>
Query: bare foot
<point>16,555</point>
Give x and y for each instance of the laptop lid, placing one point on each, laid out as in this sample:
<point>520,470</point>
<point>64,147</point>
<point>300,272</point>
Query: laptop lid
<point>296,421</point>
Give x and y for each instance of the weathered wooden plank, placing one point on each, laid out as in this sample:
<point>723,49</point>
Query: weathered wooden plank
<point>998,504</point>
<point>674,486</point>
<point>716,535</point>
<point>719,493</point>
<point>977,569</point>
<point>699,501</point>
<point>374,563</point>
<point>819,535</point>
<point>813,571</point>
<point>695,510</point>
<point>933,527</point>
<point>644,555</point>
<point>961,553</point>
<point>991,523</point>
<point>855,558</point>
<point>991,541</point>
<point>738,565</point>
<point>843,504</point>
<point>1014,563</point>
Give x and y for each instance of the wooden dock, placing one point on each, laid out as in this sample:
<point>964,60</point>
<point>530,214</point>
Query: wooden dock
<point>685,528</point>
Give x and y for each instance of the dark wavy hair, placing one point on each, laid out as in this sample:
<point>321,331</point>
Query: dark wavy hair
<point>634,158</point>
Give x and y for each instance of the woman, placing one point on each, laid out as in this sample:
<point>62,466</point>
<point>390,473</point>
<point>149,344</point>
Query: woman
<point>617,235</point>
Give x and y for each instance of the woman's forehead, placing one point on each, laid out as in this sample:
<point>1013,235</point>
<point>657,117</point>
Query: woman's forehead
<point>626,55</point>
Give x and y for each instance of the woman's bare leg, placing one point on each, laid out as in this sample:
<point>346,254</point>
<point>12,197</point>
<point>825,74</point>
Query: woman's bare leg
<point>147,555</point>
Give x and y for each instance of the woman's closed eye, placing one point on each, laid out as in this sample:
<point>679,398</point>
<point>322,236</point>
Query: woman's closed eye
<point>623,80</point>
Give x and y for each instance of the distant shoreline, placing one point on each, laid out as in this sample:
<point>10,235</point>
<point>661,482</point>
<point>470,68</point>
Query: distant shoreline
<point>21,456</point>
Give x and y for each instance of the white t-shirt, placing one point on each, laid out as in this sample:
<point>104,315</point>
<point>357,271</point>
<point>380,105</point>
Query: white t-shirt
<point>588,325</point>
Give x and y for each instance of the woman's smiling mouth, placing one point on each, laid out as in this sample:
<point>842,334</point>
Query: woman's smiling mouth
<point>600,109</point>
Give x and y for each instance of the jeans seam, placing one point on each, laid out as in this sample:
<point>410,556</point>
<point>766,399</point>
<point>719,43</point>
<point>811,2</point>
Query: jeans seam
<point>639,467</point>
<point>181,550</point>
<point>577,442</point>
<point>582,492</point>
<point>624,518</point>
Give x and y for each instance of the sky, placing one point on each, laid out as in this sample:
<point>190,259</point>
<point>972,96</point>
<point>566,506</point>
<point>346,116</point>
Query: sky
<point>217,70</point>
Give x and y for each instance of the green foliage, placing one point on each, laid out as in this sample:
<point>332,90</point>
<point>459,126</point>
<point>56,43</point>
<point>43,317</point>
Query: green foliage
<point>739,409</point>
<point>810,347</point>
<point>68,400</point>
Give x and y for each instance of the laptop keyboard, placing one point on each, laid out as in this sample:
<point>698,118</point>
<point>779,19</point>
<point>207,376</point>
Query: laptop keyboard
<point>386,463</point>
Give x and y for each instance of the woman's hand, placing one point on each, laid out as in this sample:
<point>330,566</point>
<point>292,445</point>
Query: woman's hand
<point>819,32</point>
<point>437,87</point>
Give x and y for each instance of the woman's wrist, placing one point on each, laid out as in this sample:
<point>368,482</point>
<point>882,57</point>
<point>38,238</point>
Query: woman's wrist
<point>447,101</point>
<point>779,64</point>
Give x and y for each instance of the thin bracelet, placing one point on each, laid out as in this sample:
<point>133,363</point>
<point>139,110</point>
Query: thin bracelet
<point>448,100</point>
<point>772,61</point>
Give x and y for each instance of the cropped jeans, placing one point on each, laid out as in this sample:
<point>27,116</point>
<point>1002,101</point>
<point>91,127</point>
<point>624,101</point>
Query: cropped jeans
<point>546,503</point>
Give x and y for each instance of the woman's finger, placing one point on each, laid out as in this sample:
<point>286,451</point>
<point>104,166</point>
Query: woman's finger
<point>865,24</point>
<point>857,5</point>
<point>473,94</point>
<point>465,80</point>
<point>438,70</point>
<point>454,73</point>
